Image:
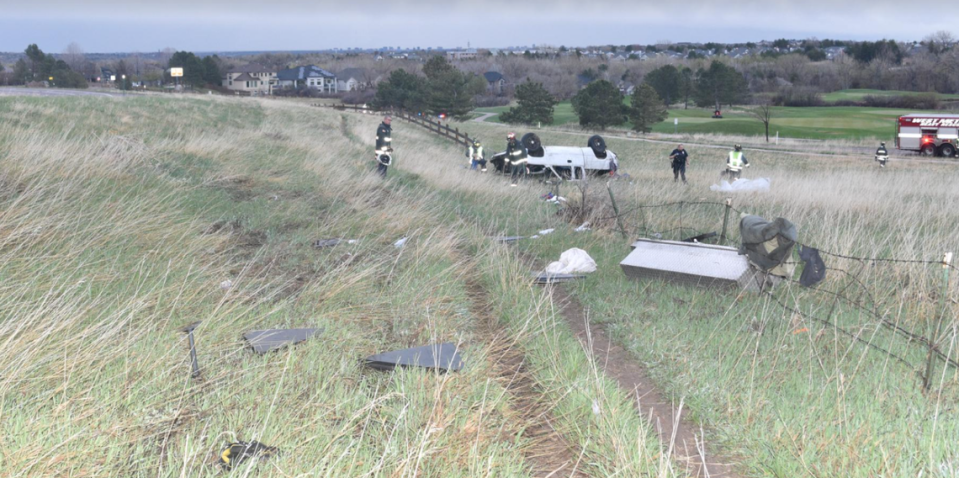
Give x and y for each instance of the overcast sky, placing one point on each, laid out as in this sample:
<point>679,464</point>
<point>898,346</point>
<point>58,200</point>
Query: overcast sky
<point>238,25</point>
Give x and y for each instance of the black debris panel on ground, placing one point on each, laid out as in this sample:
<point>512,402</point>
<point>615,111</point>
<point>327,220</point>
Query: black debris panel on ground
<point>767,244</point>
<point>546,278</point>
<point>236,453</point>
<point>264,341</point>
<point>814,269</point>
<point>507,239</point>
<point>443,357</point>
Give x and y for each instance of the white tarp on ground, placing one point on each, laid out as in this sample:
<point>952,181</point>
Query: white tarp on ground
<point>573,261</point>
<point>742,185</point>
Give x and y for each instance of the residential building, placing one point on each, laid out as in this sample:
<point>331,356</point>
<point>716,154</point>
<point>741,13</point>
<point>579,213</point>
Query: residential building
<point>467,54</point>
<point>309,76</point>
<point>252,78</point>
<point>495,82</point>
<point>352,79</point>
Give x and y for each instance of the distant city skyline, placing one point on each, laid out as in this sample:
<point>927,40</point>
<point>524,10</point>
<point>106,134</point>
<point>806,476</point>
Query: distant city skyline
<point>108,26</point>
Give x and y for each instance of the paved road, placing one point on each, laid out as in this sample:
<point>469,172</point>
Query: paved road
<point>485,117</point>
<point>20,91</point>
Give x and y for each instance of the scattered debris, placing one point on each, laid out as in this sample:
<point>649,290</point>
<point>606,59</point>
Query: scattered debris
<point>814,269</point>
<point>701,237</point>
<point>691,264</point>
<point>547,278</point>
<point>264,341</point>
<point>507,239</point>
<point>546,231</point>
<point>572,261</point>
<point>440,356</point>
<point>321,243</point>
<point>400,243</point>
<point>768,244</point>
<point>236,453</point>
<point>195,366</point>
<point>226,285</point>
<point>742,185</point>
<point>800,331</point>
<point>584,227</point>
<point>534,236</point>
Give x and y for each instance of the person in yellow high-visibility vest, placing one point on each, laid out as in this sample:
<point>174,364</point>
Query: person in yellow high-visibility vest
<point>735,162</point>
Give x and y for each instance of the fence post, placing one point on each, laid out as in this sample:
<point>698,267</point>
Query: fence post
<point>937,326</point>
<point>729,204</point>
<point>619,220</point>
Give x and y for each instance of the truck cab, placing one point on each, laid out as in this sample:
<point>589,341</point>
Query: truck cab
<point>929,134</point>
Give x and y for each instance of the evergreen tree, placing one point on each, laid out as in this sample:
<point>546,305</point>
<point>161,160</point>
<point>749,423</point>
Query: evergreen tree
<point>666,81</point>
<point>600,104</point>
<point>450,91</point>
<point>647,108</point>
<point>535,105</point>
<point>21,72</point>
<point>401,90</point>
<point>719,85</point>
<point>193,70</point>
<point>211,70</point>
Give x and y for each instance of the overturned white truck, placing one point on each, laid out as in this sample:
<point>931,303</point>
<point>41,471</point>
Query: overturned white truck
<point>563,162</point>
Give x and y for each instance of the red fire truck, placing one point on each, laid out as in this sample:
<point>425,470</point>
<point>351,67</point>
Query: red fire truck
<point>929,134</point>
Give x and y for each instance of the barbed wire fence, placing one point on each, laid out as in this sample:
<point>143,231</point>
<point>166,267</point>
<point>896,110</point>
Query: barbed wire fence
<point>863,295</point>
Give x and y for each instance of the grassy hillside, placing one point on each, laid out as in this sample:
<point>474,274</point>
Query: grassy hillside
<point>859,94</point>
<point>123,220</point>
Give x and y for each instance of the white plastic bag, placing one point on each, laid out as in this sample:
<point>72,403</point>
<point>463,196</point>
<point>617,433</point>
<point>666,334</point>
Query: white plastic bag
<point>742,185</point>
<point>573,261</point>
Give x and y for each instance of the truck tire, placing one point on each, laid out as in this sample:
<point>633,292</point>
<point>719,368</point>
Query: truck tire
<point>928,151</point>
<point>947,150</point>
<point>532,144</point>
<point>598,146</point>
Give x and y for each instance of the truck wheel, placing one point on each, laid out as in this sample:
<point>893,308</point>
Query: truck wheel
<point>947,150</point>
<point>598,146</point>
<point>532,144</point>
<point>928,151</point>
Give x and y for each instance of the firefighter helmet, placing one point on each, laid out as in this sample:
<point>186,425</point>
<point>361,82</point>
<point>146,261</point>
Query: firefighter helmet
<point>511,135</point>
<point>738,147</point>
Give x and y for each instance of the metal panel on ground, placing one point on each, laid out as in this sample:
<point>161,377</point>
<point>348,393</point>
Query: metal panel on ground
<point>264,341</point>
<point>691,264</point>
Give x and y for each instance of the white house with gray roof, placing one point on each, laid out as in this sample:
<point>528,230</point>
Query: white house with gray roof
<point>309,76</point>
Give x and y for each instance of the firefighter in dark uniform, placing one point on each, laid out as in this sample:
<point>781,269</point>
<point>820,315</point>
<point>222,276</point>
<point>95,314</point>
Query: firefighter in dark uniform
<point>384,148</point>
<point>882,155</point>
<point>516,155</point>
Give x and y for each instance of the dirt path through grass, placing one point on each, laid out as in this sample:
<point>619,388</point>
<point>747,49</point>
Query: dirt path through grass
<point>677,432</point>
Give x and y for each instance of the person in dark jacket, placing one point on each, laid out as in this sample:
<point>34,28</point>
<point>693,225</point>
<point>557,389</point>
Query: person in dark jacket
<point>384,146</point>
<point>516,155</point>
<point>679,158</point>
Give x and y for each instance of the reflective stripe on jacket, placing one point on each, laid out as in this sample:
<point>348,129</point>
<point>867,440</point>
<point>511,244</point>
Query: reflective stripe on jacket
<point>383,138</point>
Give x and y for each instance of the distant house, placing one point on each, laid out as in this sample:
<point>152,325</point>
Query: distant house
<point>495,83</point>
<point>626,87</point>
<point>582,81</point>
<point>834,52</point>
<point>252,78</point>
<point>106,75</point>
<point>309,76</point>
<point>738,52</point>
<point>353,79</point>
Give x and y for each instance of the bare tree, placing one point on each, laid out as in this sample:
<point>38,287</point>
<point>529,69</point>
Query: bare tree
<point>74,56</point>
<point>939,42</point>
<point>764,113</point>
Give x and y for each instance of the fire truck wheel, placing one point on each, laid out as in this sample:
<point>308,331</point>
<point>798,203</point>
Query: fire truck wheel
<point>947,150</point>
<point>927,151</point>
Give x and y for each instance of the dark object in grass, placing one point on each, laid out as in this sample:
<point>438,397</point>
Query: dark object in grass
<point>546,278</point>
<point>814,270</point>
<point>507,239</point>
<point>195,366</point>
<point>236,453</point>
<point>321,243</point>
<point>264,341</point>
<point>701,237</point>
<point>443,357</point>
